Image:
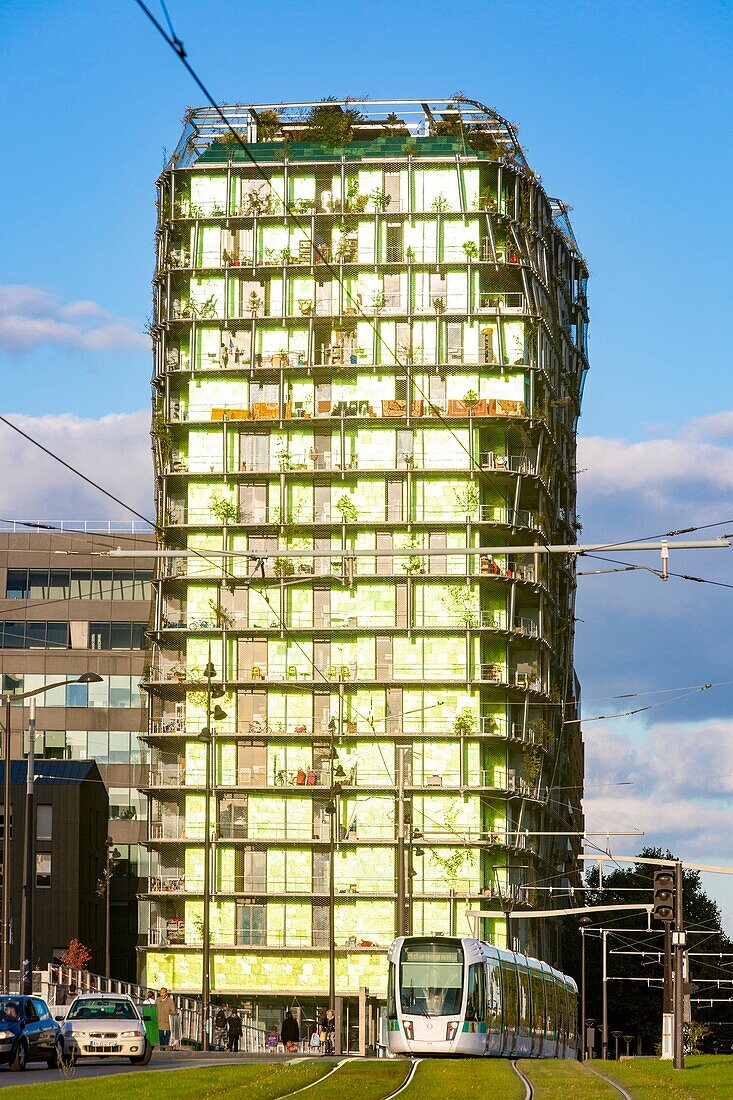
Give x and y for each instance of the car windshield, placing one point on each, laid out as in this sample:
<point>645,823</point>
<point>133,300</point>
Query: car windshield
<point>431,978</point>
<point>91,1009</point>
<point>9,1010</point>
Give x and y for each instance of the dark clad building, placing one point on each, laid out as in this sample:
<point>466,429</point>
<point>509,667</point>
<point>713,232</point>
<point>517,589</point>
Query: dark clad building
<point>71,812</point>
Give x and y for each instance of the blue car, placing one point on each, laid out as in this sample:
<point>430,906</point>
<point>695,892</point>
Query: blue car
<point>28,1033</point>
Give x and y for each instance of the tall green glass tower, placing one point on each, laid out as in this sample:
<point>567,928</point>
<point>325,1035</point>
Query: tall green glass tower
<point>370,345</point>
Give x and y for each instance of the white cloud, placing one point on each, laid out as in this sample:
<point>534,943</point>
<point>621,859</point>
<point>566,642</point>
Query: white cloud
<point>31,317</point>
<point>114,451</point>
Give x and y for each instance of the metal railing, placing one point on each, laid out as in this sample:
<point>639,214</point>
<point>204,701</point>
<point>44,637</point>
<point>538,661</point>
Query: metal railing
<point>78,526</point>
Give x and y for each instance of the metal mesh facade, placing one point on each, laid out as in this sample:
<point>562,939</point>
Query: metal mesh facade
<point>368,370</point>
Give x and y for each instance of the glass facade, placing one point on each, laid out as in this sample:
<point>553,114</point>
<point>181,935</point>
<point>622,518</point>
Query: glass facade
<point>368,370</point>
<point>78,584</point>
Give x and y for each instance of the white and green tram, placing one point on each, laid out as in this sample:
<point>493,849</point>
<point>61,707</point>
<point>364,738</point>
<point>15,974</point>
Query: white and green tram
<point>463,996</point>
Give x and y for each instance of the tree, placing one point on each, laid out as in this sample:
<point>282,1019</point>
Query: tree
<point>76,955</point>
<point>636,1007</point>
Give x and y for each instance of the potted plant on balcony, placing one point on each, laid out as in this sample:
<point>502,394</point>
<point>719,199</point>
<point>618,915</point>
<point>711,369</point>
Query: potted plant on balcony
<point>471,249</point>
<point>283,567</point>
<point>471,399</point>
<point>378,301</point>
<point>224,509</point>
<point>254,303</point>
<point>380,199</point>
<point>468,498</point>
<point>464,723</point>
<point>347,508</point>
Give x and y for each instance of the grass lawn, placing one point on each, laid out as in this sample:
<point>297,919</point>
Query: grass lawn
<point>261,1082</point>
<point>705,1076</point>
<point>361,1081</point>
<point>554,1077</point>
<point>491,1078</point>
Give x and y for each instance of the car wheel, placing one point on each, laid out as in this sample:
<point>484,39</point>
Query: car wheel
<point>142,1059</point>
<point>57,1058</point>
<point>19,1060</point>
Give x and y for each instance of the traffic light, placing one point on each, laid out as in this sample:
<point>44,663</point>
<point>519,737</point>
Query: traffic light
<point>663,895</point>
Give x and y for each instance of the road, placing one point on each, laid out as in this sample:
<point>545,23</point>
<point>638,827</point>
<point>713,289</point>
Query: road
<point>38,1074</point>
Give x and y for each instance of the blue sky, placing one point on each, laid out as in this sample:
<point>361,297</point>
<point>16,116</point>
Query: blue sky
<point>624,109</point>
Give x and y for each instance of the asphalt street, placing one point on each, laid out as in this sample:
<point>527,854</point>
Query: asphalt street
<point>37,1072</point>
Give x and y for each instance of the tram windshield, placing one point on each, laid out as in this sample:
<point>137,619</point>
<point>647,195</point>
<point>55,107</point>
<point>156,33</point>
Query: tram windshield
<point>431,978</point>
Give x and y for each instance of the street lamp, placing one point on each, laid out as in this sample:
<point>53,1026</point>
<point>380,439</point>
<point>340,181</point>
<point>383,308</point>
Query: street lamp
<point>583,922</point>
<point>26,938</point>
<point>628,1039</point>
<point>616,1035</point>
<point>206,738</point>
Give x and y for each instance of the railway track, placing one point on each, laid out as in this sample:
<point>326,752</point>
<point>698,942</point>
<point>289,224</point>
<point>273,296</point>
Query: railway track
<point>528,1089</point>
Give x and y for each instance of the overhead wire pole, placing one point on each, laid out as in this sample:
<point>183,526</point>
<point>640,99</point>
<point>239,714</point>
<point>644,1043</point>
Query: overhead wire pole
<point>679,943</point>
<point>6,931</point>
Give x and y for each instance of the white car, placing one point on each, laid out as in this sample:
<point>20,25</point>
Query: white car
<point>101,1025</point>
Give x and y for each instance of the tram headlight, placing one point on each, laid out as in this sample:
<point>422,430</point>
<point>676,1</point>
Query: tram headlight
<point>451,1030</point>
<point>409,1029</point>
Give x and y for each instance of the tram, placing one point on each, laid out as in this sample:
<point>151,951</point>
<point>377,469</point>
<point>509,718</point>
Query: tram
<point>463,996</point>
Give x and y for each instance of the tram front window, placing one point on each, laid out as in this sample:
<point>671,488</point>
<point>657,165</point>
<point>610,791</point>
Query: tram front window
<point>431,979</point>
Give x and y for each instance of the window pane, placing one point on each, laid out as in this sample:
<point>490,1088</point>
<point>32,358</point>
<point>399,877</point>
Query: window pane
<point>58,588</point>
<point>119,747</point>
<point>17,584</point>
<point>43,869</point>
<point>97,744</point>
<point>44,822</point>
<point>57,635</point>
<point>81,584</point>
<point>119,635</point>
<point>76,695</point>
<point>98,693</point>
<point>76,744</point>
<point>138,635</point>
<point>13,636</point>
<point>143,586</point>
<point>99,635</point>
<point>35,635</point>
<point>119,691</point>
<point>101,584</point>
<point>38,584</point>
<point>56,697</point>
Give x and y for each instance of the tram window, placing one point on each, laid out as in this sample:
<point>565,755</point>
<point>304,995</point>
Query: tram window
<point>511,1002</point>
<point>551,1007</point>
<point>525,1022</point>
<point>562,1013</point>
<point>538,1003</point>
<point>476,1000</point>
<point>493,990</point>
<point>431,979</point>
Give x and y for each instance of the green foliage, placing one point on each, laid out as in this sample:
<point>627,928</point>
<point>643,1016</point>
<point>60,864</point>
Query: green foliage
<point>695,1034</point>
<point>463,602</point>
<point>468,498</point>
<point>471,249</point>
<point>283,567</point>
<point>331,123</point>
<point>532,764</point>
<point>268,125</point>
<point>347,508</point>
<point>470,398</point>
<point>464,723</point>
<point>224,509</point>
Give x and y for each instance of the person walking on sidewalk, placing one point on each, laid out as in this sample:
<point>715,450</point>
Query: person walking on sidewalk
<point>166,1008</point>
<point>234,1029</point>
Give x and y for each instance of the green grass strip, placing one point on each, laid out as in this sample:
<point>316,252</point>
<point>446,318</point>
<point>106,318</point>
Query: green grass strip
<point>362,1081</point>
<point>487,1078</point>
<point>562,1077</point>
<point>705,1077</point>
<point>260,1080</point>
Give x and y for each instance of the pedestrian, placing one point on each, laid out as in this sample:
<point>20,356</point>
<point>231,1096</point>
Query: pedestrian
<point>271,1040</point>
<point>220,1027</point>
<point>328,1028</point>
<point>234,1031</point>
<point>315,1041</point>
<point>290,1033</point>
<point>166,1008</point>
<point>71,995</point>
<point>149,998</point>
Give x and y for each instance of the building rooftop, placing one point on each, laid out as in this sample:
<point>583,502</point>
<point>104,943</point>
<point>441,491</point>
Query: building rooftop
<point>52,771</point>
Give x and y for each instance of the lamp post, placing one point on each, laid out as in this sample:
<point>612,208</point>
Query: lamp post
<point>583,922</point>
<point>206,737</point>
<point>26,921</point>
<point>616,1036</point>
<point>628,1039</point>
<point>5,963</point>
